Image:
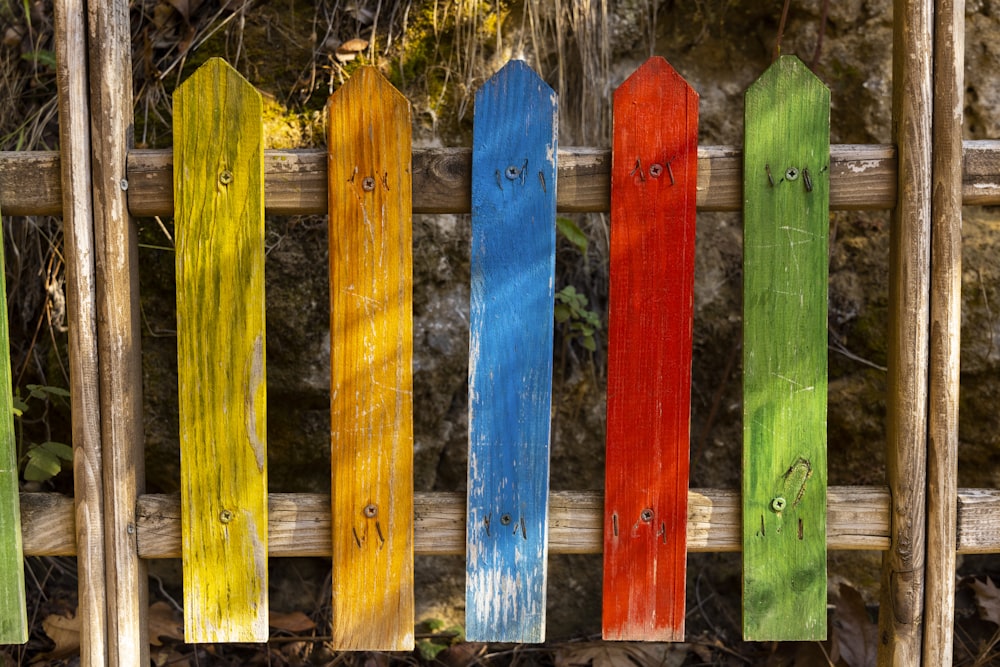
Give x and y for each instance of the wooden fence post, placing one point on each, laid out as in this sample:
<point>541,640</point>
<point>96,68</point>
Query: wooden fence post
<point>81,293</point>
<point>651,308</point>
<point>219,223</point>
<point>786,186</point>
<point>371,364</point>
<point>118,336</point>
<point>510,356</point>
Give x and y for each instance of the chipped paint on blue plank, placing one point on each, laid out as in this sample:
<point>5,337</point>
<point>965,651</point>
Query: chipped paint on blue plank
<point>510,355</point>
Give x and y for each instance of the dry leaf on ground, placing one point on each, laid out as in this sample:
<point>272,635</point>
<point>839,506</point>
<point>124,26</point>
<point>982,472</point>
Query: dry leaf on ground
<point>615,654</point>
<point>294,622</point>
<point>164,621</point>
<point>855,636</point>
<point>65,632</point>
<point>987,600</point>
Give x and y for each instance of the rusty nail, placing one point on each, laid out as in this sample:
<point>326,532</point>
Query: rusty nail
<point>646,515</point>
<point>368,184</point>
<point>770,178</point>
<point>371,510</point>
<point>807,180</point>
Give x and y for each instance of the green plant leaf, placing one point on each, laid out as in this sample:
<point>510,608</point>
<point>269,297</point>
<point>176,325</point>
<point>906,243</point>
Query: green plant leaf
<point>589,343</point>
<point>428,649</point>
<point>562,312</point>
<point>44,389</point>
<point>572,233</point>
<point>65,452</point>
<point>42,465</point>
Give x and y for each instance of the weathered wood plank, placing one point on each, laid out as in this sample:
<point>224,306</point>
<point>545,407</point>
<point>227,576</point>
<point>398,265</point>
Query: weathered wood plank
<point>120,362</point>
<point>786,230</point>
<point>81,295</point>
<point>653,190</point>
<point>220,354</point>
<point>510,355</point>
<point>299,524</point>
<point>13,611</point>
<point>371,360</point>
<point>901,608</point>
<point>862,177</point>
<point>945,331</point>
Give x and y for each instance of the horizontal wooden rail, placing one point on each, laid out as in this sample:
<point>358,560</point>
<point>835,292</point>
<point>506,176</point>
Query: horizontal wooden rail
<point>863,177</point>
<point>299,524</point>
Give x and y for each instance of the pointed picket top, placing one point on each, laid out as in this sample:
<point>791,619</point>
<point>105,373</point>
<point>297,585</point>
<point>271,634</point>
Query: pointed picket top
<point>13,612</point>
<point>371,362</point>
<point>219,221</point>
<point>510,357</point>
<point>786,227</point>
<point>653,189</point>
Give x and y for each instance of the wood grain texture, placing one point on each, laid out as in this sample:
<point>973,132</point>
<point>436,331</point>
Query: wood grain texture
<point>901,608</point>
<point>299,523</point>
<point>219,229</point>
<point>371,360</point>
<point>13,611</point>
<point>651,311</point>
<point>510,355</point>
<point>862,177</point>
<point>81,293</point>
<point>945,332</point>
<point>785,250</point>
<point>118,335</point>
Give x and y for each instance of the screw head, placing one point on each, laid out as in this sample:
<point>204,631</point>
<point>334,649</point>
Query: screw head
<point>371,510</point>
<point>791,173</point>
<point>368,184</point>
<point>225,516</point>
<point>646,515</point>
<point>512,172</point>
<point>226,177</point>
<point>655,170</point>
<point>778,504</point>
<point>505,519</point>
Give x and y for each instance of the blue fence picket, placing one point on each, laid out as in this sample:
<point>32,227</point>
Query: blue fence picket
<point>510,358</point>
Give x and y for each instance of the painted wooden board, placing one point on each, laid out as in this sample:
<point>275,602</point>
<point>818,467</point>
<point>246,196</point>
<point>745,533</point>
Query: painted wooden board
<point>786,227</point>
<point>13,614</point>
<point>219,195</point>
<point>651,308</point>
<point>510,357</point>
<point>371,359</point>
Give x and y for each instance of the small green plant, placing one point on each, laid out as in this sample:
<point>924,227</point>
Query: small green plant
<point>582,323</point>
<point>437,638</point>
<point>41,461</point>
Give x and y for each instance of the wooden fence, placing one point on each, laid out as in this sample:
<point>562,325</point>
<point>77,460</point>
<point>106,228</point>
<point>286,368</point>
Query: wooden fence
<point>218,182</point>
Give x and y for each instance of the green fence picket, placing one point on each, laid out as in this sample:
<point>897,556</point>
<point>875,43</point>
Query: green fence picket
<point>786,226</point>
<point>13,615</point>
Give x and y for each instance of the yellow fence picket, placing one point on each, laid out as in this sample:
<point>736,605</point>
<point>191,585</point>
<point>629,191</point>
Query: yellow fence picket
<point>219,195</point>
<point>371,358</point>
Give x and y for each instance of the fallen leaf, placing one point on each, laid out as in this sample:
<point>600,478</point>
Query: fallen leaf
<point>294,622</point>
<point>987,600</point>
<point>855,636</point>
<point>163,621</point>
<point>65,632</point>
<point>614,654</point>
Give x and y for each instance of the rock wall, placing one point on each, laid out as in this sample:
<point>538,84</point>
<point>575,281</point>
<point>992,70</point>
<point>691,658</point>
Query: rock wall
<point>720,46</point>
